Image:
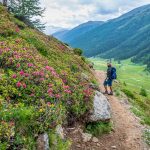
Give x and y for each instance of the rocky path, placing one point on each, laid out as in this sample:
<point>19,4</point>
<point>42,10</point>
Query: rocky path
<point>127,133</point>
<point>127,129</point>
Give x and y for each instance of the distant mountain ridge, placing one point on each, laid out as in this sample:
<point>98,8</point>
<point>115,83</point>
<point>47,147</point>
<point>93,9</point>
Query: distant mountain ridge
<point>60,34</point>
<point>77,31</point>
<point>120,38</point>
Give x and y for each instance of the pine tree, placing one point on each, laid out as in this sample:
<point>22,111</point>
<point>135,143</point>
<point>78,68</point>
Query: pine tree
<point>148,66</point>
<point>26,10</point>
<point>5,2</point>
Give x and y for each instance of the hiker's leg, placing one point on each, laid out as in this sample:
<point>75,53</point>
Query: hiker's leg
<point>111,90</point>
<point>106,89</point>
<point>110,86</point>
<point>105,86</point>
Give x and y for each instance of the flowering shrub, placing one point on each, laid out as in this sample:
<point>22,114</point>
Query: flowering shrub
<point>6,130</point>
<point>40,84</point>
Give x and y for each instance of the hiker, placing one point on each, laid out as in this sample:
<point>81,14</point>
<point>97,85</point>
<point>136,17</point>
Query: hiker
<point>111,75</point>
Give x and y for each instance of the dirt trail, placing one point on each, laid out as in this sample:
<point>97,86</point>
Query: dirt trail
<point>128,131</point>
<point>127,134</point>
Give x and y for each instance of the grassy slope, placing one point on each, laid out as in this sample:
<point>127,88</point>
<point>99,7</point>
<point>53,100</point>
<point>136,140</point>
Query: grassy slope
<point>132,78</point>
<point>41,84</point>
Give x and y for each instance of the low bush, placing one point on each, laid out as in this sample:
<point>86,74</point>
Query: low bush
<point>128,93</point>
<point>78,51</point>
<point>143,92</point>
<point>56,143</point>
<point>97,129</point>
<point>83,58</point>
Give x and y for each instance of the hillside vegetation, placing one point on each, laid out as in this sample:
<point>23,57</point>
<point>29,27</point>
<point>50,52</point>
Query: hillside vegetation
<point>121,38</point>
<point>41,84</point>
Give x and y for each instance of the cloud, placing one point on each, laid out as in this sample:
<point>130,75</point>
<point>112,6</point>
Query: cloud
<point>70,13</point>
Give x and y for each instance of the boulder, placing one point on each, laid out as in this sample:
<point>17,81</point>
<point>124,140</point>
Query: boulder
<point>101,110</point>
<point>43,142</point>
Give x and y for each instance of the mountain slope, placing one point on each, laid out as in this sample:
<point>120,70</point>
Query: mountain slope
<point>120,38</point>
<point>79,30</point>
<point>41,84</point>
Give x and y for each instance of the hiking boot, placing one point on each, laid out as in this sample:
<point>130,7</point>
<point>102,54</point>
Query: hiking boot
<point>111,93</point>
<point>105,92</point>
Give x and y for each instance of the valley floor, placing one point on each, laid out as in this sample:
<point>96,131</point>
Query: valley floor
<point>127,132</point>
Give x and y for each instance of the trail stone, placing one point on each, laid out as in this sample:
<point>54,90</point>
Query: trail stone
<point>60,131</point>
<point>114,147</point>
<point>94,86</point>
<point>78,145</point>
<point>102,111</point>
<point>86,137</point>
<point>43,142</point>
<point>95,140</point>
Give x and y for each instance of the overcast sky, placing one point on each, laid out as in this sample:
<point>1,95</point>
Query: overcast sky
<point>70,13</point>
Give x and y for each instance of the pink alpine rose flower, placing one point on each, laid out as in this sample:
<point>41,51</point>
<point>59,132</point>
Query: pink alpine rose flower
<point>18,84</point>
<point>57,95</point>
<point>18,65</point>
<point>68,91</point>
<point>24,85</point>
<point>50,85</point>
<point>41,79</point>
<point>22,73</point>
<point>17,29</point>
<point>48,103</point>
<point>66,87</point>
<point>14,76</point>
<point>30,65</point>
<point>26,75</point>
<point>50,90</point>
<point>32,94</point>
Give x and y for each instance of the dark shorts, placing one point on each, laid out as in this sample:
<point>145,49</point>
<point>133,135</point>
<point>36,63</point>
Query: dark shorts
<point>108,82</point>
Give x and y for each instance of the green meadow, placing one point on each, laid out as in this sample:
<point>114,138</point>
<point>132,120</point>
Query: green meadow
<point>134,76</point>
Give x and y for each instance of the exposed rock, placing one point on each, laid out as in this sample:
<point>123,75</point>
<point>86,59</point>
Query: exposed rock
<point>60,131</point>
<point>102,111</point>
<point>98,144</point>
<point>84,77</point>
<point>71,128</point>
<point>94,86</point>
<point>43,142</point>
<point>78,145</point>
<point>86,137</point>
<point>95,140</point>
<point>80,130</point>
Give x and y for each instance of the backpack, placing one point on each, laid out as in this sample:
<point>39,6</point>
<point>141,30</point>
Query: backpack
<point>113,73</point>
